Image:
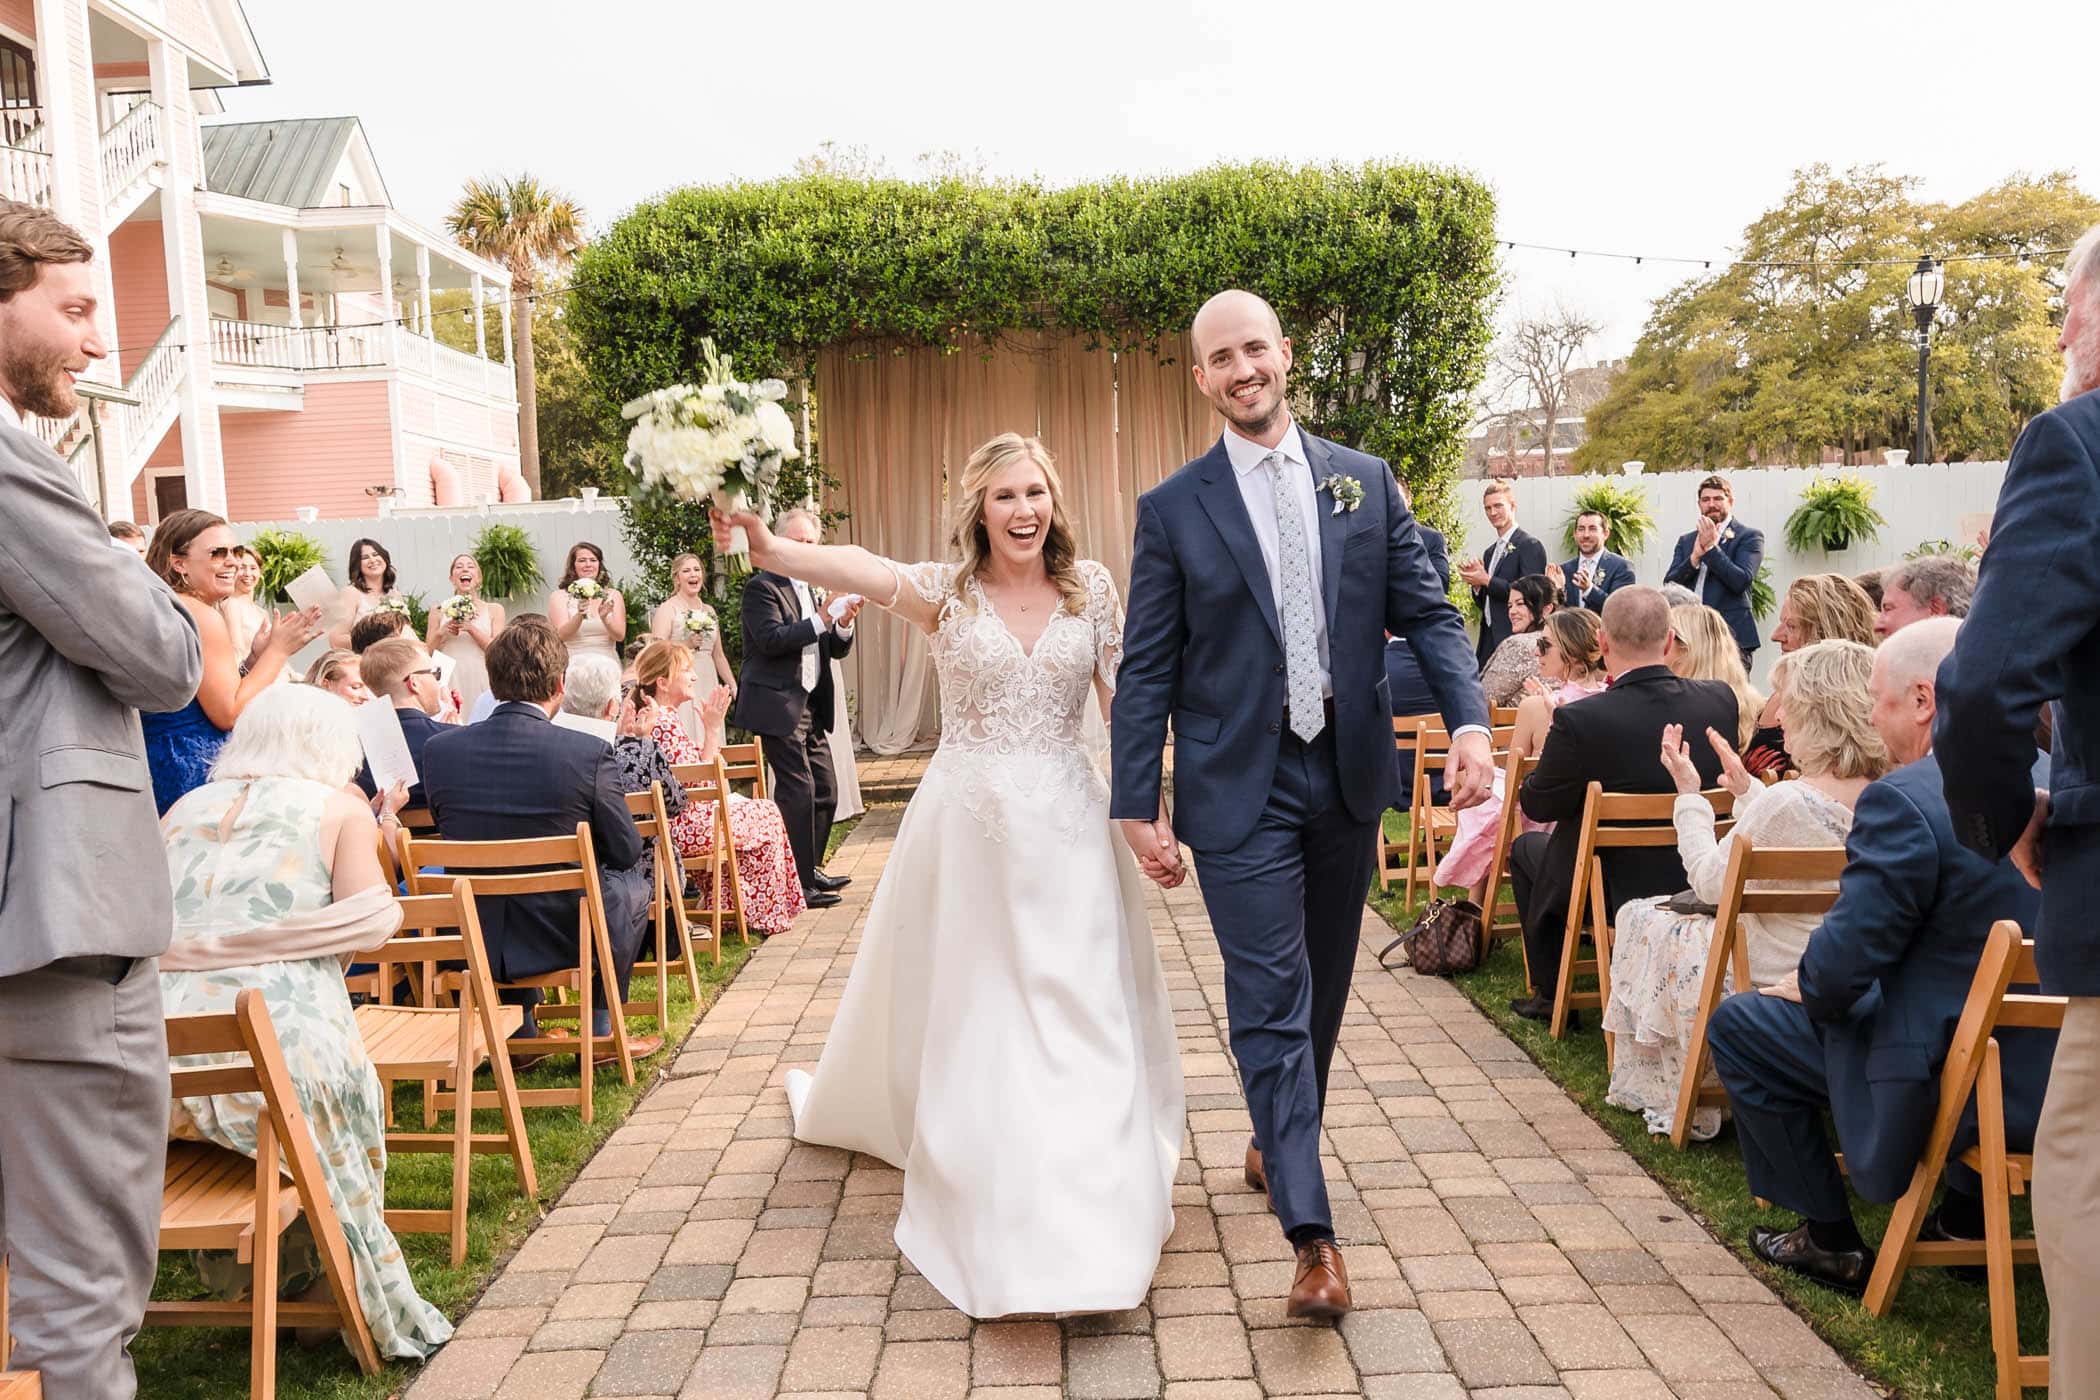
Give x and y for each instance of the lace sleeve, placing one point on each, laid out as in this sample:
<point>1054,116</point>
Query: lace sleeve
<point>1105,611</point>
<point>932,580</point>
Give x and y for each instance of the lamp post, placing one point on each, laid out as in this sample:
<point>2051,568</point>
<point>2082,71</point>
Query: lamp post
<point>1926,284</point>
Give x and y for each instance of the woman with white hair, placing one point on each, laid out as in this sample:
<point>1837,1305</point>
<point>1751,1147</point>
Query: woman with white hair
<point>592,703</point>
<point>275,864</point>
<point>1658,956</point>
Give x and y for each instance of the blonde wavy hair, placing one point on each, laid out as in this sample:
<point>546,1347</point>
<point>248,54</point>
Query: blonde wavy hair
<point>1827,707</point>
<point>1831,608</point>
<point>973,544</point>
<point>1706,651</point>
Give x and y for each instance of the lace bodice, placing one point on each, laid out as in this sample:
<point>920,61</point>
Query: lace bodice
<point>997,696</point>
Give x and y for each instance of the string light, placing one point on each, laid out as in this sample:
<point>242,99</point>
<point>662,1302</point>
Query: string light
<point>2023,254</point>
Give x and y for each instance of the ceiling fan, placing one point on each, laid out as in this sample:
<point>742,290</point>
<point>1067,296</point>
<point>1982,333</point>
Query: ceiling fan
<point>346,273</point>
<point>224,270</point>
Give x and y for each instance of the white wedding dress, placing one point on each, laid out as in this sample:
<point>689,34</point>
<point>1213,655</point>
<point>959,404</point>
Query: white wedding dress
<point>1005,1036</point>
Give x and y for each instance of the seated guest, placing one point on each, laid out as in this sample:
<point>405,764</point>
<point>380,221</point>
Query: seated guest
<point>1863,1025</point>
<point>593,702</point>
<point>1870,584</point>
<point>1706,651</point>
<point>1816,608</point>
<point>276,874</point>
<point>485,704</point>
<point>514,776</point>
<point>130,536</point>
<point>400,672</point>
<point>1516,660</point>
<point>1933,585</point>
<point>1658,957</point>
<point>1677,595</point>
<point>1570,668</point>
<point>336,671</point>
<point>765,861</point>
<point>376,627</point>
<point>1610,738</point>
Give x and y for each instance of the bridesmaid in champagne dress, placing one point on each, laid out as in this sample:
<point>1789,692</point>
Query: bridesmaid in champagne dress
<point>370,588</point>
<point>465,641</point>
<point>587,612</point>
<point>687,619</point>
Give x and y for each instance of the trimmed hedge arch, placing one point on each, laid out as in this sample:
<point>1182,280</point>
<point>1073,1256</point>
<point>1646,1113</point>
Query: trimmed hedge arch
<point>1384,275</point>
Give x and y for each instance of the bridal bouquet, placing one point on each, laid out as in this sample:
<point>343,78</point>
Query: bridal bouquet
<point>585,590</point>
<point>722,441</point>
<point>459,608</point>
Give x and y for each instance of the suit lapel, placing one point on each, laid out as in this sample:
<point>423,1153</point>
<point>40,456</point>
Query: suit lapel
<point>1220,495</point>
<point>1333,525</point>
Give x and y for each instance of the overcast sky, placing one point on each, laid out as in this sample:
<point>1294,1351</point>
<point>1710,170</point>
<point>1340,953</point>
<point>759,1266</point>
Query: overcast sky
<point>1644,128</point>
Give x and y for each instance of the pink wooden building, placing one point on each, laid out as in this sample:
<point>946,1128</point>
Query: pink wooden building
<point>267,308</point>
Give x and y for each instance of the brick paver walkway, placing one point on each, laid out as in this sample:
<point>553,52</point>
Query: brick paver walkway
<point>1500,1245</point>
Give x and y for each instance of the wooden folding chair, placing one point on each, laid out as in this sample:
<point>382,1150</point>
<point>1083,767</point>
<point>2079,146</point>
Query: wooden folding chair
<point>1610,821</point>
<point>216,1199</point>
<point>20,1385</point>
<point>433,1043</point>
<point>1499,917</point>
<point>667,918</point>
<point>1430,819</point>
<point>714,874</point>
<point>1797,880</point>
<point>1404,727</point>
<point>1972,1066</point>
<point>746,763</point>
<point>1500,715</point>
<point>541,865</point>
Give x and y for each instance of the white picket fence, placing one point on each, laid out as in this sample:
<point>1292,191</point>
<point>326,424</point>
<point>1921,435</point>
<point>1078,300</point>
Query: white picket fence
<point>1939,501</point>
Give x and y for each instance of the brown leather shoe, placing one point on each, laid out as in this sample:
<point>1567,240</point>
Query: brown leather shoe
<point>1321,1289</point>
<point>1257,1179</point>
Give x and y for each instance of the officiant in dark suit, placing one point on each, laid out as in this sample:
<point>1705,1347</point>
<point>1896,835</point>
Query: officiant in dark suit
<point>785,696</point>
<point>1513,554</point>
<point>1719,560</point>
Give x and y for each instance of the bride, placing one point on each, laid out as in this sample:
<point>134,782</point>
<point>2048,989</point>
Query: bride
<point>1005,1036</point>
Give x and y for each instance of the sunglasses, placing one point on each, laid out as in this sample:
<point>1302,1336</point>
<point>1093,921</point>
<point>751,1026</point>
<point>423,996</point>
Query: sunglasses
<point>1546,647</point>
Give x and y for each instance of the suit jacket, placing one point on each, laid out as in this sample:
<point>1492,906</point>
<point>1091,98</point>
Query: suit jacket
<point>1885,976</point>
<point>1612,574</point>
<point>88,638</point>
<point>513,776</point>
<point>2015,657</point>
<point>1439,553</point>
<point>1615,738</point>
<point>1202,648</point>
<point>1525,555</point>
<point>416,729</point>
<point>770,699</point>
<point>1731,566</point>
<point>1411,695</point>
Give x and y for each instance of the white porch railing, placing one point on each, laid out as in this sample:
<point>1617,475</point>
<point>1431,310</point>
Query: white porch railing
<point>154,383</point>
<point>130,149</point>
<point>256,345</point>
<point>25,156</point>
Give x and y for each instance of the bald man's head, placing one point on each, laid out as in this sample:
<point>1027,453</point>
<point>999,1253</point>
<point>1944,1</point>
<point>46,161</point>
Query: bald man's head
<point>1906,686</point>
<point>1243,362</point>
<point>1636,628</point>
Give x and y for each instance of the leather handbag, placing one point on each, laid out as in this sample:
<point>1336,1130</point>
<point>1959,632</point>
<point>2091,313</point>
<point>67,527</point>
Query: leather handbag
<point>1445,939</point>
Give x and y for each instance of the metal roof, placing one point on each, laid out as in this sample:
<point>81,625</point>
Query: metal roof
<point>290,163</point>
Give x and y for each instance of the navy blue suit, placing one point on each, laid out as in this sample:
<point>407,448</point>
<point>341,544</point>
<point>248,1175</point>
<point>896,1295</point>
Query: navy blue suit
<point>1411,695</point>
<point>1731,566</point>
<point>513,776</point>
<point>1525,555</point>
<point>1883,981</point>
<point>1281,829</point>
<point>2029,640</point>
<point>1611,574</point>
<point>1439,553</point>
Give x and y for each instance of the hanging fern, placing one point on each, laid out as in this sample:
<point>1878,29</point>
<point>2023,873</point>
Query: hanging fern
<point>1834,514</point>
<point>510,566</point>
<point>283,556</point>
<point>1627,520</point>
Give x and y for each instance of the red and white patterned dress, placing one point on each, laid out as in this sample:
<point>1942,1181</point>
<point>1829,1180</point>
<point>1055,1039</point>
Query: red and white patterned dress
<point>765,863</point>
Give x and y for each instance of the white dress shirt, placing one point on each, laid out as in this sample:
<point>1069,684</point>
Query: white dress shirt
<point>1699,583</point>
<point>811,660</point>
<point>1595,564</point>
<point>1491,561</point>
<point>1247,457</point>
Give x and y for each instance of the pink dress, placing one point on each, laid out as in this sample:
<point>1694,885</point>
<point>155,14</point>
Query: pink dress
<point>1474,845</point>
<point>765,863</point>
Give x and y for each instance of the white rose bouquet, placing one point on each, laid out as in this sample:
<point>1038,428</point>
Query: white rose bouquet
<point>459,608</point>
<point>697,625</point>
<point>397,606</point>
<point>585,590</point>
<point>721,441</point>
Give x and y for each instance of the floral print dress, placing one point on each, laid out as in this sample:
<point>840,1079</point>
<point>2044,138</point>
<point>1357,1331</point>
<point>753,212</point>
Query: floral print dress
<point>765,863</point>
<point>266,867</point>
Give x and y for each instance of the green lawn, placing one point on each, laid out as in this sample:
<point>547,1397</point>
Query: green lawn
<point>185,1363</point>
<point>1935,1343</point>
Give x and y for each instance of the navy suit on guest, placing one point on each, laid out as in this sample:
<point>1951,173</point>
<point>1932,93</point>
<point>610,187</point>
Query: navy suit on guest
<point>1411,696</point>
<point>1525,555</point>
<point>1883,981</point>
<point>1731,567</point>
<point>1611,574</point>
<point>1439,553</point>
<point>1281,828</point>
<point>2029,640</point>
<point>513,776</point>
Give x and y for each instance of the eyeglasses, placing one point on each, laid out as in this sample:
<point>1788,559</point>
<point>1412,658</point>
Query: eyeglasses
<point>433,672</point>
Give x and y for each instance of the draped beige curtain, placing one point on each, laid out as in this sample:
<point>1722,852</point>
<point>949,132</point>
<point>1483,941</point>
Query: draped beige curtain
<point>897,427</point>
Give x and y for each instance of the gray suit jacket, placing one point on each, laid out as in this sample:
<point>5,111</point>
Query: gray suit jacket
<point>88,637</point>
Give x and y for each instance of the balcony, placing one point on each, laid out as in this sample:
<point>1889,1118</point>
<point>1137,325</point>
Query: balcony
<point>25,156</point>
<point>256,364</point>
<point>132,160</point>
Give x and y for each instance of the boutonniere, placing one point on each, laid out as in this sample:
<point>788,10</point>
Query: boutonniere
<point>1347,491</point>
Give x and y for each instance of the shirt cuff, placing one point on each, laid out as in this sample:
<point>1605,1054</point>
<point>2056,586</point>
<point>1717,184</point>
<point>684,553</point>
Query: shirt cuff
<point>843,631</point>
<point>1472,729</point>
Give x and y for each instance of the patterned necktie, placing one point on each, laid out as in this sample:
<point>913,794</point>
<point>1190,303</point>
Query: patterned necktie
<point>1301,653</point>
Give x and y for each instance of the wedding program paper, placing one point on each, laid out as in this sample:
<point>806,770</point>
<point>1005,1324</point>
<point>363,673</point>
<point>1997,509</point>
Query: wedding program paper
<point>386,750</point>
<point>313,589</point>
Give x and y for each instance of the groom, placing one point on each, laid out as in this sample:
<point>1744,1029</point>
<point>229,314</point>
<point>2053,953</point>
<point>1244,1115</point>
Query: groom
<point>1265,577</point>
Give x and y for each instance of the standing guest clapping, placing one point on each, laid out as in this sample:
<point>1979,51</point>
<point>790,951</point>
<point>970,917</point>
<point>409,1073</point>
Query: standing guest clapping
<point>89,640</point>
<point>1719,559</point>
<point>371,587</point>
<point>1514,554</point>
<point>585,610</point>
<point>462,628</point>
<point>193,552</point>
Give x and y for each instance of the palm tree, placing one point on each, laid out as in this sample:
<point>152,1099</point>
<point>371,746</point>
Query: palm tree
<point>530,228</point>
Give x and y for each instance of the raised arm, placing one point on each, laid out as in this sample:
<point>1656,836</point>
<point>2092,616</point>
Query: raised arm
<point>1682,570</point>
<point>840,568</point>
